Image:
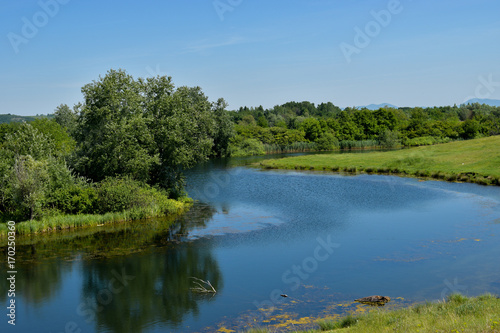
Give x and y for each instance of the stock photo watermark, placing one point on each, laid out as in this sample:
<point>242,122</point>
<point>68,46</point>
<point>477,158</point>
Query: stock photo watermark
<point>93,305</point>
<point>218,182</point>
<point>31,26</point>
<point>154,72</point>
<point>223,6</point>
<point>299,273</point>
<point>104,297</point>
<point>363,37</point>
<point>485,88</point>
<point>452,288</point>
<point>11,272</point>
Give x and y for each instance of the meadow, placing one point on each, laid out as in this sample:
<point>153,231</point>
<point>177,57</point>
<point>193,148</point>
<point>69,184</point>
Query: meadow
<point>476,161</point>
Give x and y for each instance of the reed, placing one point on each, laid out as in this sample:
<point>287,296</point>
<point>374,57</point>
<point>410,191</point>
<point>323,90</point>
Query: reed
<point>59,222</point>
<point>358,144</point>
<point>291,148</point>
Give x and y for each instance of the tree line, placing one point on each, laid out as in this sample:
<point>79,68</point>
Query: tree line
<point>326,126</point>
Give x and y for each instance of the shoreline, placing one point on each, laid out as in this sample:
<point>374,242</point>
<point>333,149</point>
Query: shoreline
<point>76,222</point>
<point>469,177</point>
<point>473,161</point>
<point>457,313</point>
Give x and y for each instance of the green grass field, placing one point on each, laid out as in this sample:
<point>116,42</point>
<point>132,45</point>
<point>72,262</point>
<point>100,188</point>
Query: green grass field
<point>475,161</point>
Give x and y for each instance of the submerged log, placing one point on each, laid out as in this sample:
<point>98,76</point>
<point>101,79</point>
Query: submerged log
<point>374,300</point>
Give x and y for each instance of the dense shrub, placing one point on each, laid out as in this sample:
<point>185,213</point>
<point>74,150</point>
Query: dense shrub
<point>248,147</point>
<point>425,141</point>
<point>119,194</point>
<point>389,139</point>
<point>327,141</point>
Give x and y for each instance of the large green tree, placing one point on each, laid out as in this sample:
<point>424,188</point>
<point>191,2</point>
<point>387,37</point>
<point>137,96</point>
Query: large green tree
<point>66,117</point>
<point>147,129</point>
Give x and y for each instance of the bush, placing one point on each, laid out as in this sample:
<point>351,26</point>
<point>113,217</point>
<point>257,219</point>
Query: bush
<point>248,147</point>
<point>120,194</point>
<point>74,199</point>
<point>425,141</point>
<point>389,139</point>
<point>327,141</point>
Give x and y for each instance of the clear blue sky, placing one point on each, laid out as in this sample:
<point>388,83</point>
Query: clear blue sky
<point>253,52</point>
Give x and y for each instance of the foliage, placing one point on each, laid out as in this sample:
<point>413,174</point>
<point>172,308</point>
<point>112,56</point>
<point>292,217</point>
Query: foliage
<point>147,129</point>
<point>8,129</point>
<point>52,223</point>
<point>119,194</point>
<point>66,117</point>
<point>327,141</point>
<point>29,184</point>
<point>111,132</point>
<point>128,132</point>
<point>248,147</point>
<point>357,127</point>
<point>311,128</point>
<point>389,139</point>
<point>224,129</point>
<point>27,140</point>
<point>46,188</point>
<point>63,143</point>
<point>425,141</point>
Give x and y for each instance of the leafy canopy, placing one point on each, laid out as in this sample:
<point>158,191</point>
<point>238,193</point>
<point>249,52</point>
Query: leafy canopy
<point>147,129</point>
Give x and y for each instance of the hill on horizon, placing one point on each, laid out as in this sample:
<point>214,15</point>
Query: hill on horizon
<point>377,106</point>
<point>487,101</point>
<point>12,118</point>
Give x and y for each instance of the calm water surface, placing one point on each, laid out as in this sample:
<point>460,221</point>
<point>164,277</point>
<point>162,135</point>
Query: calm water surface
<point>322,239</point>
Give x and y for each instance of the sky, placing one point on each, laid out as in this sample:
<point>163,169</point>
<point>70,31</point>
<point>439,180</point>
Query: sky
<point>254,52</point>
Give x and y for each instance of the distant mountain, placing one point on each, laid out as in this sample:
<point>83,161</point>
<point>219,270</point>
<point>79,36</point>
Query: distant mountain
<point>378,106</point>
<point>12,118</point>
<point>491,102</point>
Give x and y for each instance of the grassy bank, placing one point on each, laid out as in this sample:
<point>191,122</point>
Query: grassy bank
<point>457,314</point>
<point>475,161</point>
<point>54,223</point>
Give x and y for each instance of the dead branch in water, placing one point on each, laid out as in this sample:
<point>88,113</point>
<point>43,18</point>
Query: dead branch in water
<point>203,286</point>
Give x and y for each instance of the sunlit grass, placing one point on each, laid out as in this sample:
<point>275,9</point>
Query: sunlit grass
<point>54,223</point>
<point>475,161</point>
<point>457,314</point>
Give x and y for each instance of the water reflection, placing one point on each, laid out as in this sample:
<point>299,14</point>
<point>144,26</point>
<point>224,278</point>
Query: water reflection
<point>36,283</point>
<point>132,295</point>
<point>131,275</point>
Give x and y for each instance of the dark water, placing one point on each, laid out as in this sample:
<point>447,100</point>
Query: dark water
<point>322,239</point>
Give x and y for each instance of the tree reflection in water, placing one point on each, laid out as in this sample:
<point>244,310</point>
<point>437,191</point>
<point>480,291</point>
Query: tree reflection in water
<point>133,275</point>
<point>158,288</point>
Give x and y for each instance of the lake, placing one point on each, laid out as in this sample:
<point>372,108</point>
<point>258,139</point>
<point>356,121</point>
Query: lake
<point>322,239</point>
